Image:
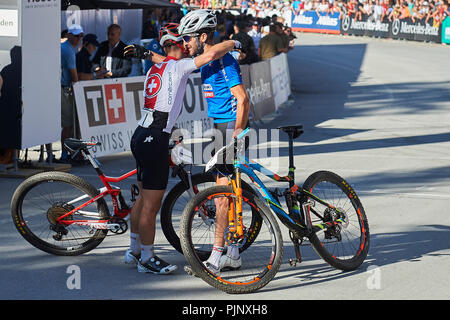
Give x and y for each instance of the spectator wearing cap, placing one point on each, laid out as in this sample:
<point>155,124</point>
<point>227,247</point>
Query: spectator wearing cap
<point>423,10</point>
<point>248,46</point>
<point>84,64</point>
<point>110,54</point>
<point>69,76</point>
<point>255,34</point>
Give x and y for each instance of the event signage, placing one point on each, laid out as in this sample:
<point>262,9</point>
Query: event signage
<point>109,109</point>
<point>41,86</point>
<point>397,29</point>
<point>419,30</point>
<point>445,37</point>
<point>364,28</point>
<point>260,91</point>
<point>9,23</point>
<point>280,79</point>
<point>310,21</point>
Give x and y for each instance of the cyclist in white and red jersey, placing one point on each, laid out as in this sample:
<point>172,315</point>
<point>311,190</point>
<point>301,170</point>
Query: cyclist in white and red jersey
<point>164,89</point>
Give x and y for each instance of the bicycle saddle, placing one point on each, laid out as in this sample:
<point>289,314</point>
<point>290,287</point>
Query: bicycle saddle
<point>294,130</point>
<point>75,144</point>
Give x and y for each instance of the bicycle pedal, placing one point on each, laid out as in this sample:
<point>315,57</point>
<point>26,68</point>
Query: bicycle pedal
<point>189,271</point>
<point>293,262</point>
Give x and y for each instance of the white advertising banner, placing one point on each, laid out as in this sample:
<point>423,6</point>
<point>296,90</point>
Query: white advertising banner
<point>109,109</point>
<point>41,87</point>
<point>9,23</point>
<point>280,79</point>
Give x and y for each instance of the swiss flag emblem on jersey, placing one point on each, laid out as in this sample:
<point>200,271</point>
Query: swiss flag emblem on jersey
<point>152,85</point>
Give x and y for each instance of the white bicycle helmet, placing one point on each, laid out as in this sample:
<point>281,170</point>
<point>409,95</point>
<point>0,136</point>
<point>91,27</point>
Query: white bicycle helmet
<point>197,20</point>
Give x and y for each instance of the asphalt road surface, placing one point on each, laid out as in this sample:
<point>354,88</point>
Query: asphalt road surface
<point>376,112</point>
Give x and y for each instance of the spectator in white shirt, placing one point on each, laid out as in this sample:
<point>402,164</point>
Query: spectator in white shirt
<point>322,8</point>
<point>255,34</point>
<point>377,12</point>
<point>308,5</point>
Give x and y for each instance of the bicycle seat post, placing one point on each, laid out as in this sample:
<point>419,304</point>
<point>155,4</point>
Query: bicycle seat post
<point>92,160</point>
<point>291,173</point>
<point>293,131</point>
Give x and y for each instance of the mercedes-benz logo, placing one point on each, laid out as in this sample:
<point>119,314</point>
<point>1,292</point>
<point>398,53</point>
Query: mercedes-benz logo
<point>346,23</point>
<point>395,27</point>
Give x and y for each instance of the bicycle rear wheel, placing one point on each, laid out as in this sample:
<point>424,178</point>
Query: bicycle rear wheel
<point>41,199</point>
<point>342,245</point>
<point>260,261</point>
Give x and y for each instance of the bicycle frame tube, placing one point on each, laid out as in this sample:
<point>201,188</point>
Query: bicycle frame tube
<point>114,192</point>
<point>247,167</point>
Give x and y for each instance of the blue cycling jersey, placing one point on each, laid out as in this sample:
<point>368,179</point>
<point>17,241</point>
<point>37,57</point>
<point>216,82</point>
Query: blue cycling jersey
<point>218,77</point>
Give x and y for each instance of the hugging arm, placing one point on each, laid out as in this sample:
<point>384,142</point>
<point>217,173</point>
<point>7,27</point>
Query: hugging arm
<point>215,52</point>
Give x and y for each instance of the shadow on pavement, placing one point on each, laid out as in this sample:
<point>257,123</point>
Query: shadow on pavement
<point>385,249</point>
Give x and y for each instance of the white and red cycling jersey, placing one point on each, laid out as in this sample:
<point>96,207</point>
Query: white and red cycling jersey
<point>164,89</point>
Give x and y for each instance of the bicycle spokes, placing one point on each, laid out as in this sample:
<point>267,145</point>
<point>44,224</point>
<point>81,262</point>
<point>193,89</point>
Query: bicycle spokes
<point>338,223</point>
<point>46,210</point>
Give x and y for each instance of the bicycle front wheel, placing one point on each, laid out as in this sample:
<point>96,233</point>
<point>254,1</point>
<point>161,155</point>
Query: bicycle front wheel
<point>178,198</point>
<point>345,244</point>
<point>43,198</point>
<point>259,262</point>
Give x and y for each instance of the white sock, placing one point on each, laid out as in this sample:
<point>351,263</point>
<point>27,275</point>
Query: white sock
<point>216,253</point>
<point>147,252</point>
<point>233,252</point>
<point>135,243</point>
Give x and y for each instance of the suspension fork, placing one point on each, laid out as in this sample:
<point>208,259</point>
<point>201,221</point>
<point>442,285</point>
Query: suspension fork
<point>235,215</point>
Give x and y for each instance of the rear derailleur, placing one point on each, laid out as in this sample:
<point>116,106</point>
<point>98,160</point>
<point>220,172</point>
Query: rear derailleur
<point>331,215</point>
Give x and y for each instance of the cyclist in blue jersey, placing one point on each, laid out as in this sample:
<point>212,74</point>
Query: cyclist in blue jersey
<point>228,106</point>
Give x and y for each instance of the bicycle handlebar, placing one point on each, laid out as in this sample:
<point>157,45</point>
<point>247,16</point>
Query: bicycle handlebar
<point>243,133</point>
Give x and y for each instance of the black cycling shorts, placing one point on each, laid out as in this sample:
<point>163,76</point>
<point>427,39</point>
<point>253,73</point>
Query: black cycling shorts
<point>223,133</point>
<point>150,148</point>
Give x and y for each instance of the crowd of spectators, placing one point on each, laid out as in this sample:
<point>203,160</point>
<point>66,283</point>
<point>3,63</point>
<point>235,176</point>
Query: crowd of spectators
<point>431,11</point>
<point>247,27</point>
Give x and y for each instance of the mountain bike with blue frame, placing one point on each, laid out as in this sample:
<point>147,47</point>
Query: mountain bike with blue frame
<point>326,211</point>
